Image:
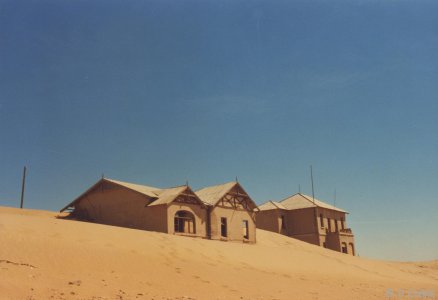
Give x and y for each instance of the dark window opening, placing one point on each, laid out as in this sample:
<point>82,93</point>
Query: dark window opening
<point>321,220</point>
<point>329,221</point>
<point>224,232</point>
<point>245,227</point>
<point>344,248</point>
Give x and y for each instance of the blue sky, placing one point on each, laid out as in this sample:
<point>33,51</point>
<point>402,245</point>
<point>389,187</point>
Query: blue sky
<point>160,92</point>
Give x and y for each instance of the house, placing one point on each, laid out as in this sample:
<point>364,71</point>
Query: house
<point>231,212</point>
<point>223,212</point>
<point>310,220</point>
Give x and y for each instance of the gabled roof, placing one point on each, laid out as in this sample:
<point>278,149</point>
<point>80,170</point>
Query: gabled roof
<point>166,196</point>
<point>271,205</point>
<point>212,194</point>
<point>299,201</point>
<point>161,196</point>
<point>142,189</point>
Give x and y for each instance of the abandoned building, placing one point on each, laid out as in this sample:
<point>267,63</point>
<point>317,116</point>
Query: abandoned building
<point>224,212</point>
<point>308,219</point>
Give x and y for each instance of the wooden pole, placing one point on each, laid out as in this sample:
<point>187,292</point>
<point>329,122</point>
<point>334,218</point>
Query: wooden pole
<point>22,187</point>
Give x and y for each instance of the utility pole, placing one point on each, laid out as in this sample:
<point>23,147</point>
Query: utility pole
<point>23,183</point>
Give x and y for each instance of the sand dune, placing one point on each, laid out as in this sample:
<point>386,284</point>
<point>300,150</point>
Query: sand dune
<point>42,257</point>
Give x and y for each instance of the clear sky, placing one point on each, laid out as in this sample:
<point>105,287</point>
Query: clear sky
<point>160,92</point>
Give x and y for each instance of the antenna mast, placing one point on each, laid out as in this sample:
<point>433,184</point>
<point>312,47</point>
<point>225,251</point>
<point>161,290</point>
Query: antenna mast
<point>334,202</point>
<point>311,178</point>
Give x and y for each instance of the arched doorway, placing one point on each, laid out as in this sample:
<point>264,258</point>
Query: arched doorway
<point>184,222</point>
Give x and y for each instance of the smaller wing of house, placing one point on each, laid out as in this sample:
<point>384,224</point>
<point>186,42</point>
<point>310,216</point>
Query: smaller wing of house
<point>231,212</point>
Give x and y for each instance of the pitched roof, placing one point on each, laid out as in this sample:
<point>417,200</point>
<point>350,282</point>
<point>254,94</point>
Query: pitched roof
<point>143,189</point>
<point>299,200</point>
<point>161,196</point>
<point>271,205</point>
<point>212,194</point>
<point>166,196</point>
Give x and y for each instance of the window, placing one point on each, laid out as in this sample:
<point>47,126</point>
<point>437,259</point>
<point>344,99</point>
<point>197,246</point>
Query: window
<point>336,225</point>
<point>344,248</point>
<point>224,230</point>
<point>184,222</point>
<point>329,221</point>
<point>245,228</point>
<point>283,223</point>
<point>342,223</point>
<point>321,220</point>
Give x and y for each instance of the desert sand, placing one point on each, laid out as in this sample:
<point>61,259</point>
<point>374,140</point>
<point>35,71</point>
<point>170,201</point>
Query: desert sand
<point>43,257</point>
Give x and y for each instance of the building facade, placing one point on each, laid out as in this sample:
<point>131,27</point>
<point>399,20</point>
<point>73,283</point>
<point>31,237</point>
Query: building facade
<point>310,220</point>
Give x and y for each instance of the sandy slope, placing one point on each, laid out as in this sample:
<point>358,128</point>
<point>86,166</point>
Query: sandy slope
<point>42,257</point>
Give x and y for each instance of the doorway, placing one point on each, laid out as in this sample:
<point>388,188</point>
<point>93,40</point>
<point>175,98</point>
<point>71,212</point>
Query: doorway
<point>184,222</point>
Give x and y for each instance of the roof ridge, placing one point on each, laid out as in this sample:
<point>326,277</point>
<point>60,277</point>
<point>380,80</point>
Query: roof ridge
<point>216,185</point>
<point>127,182</point>
<point>284,199</point>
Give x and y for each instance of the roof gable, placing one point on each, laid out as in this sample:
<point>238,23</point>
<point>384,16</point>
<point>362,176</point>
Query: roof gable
<point>212,194</point>
<point>231,192</point>
<point>180,194</point>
